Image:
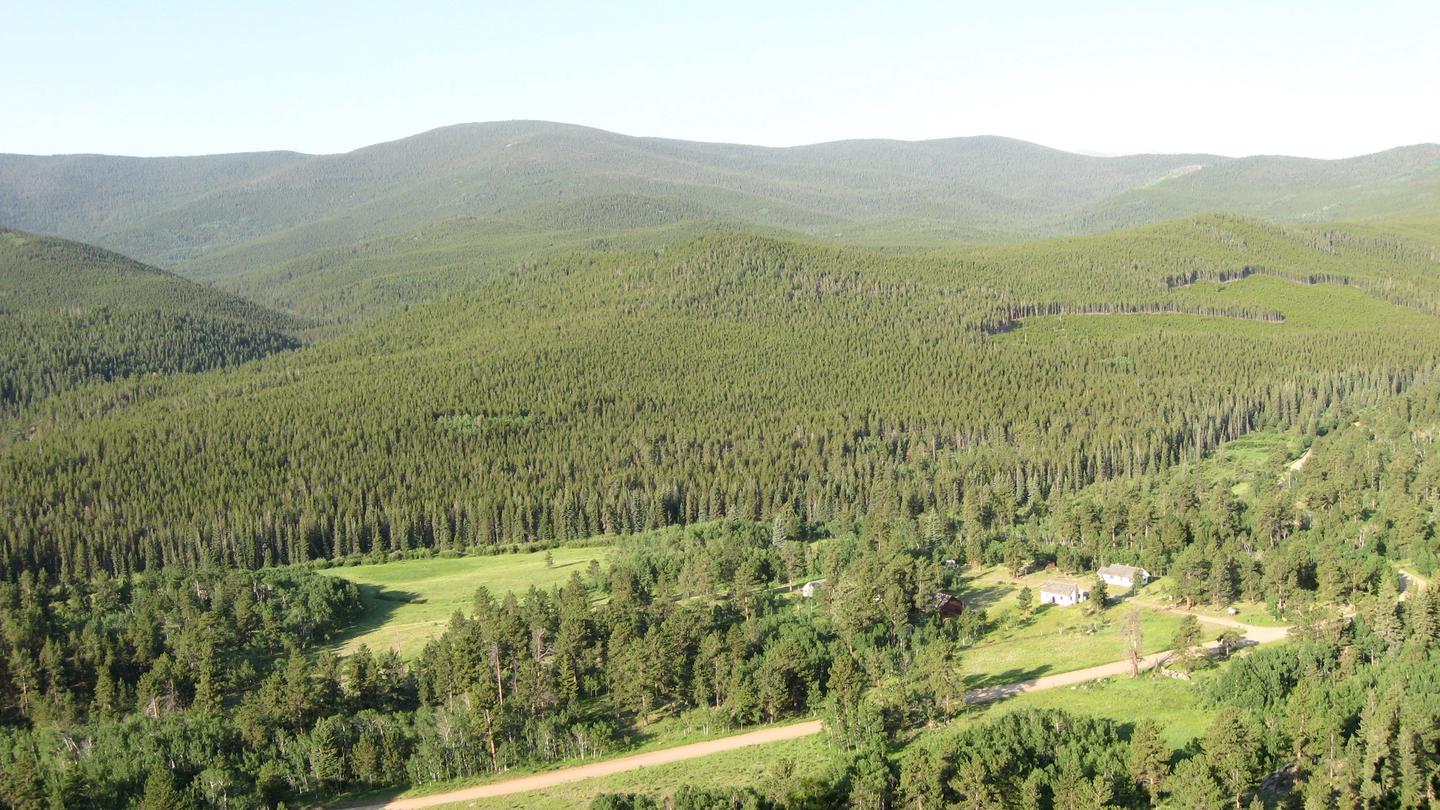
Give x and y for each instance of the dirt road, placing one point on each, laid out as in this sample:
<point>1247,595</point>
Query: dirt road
<point>1253,634</point>
<point>1258,635</point>
<point>1299,463</point>
<point>604,767</point>
<point>1064,678</point>
<point>1410,582</point>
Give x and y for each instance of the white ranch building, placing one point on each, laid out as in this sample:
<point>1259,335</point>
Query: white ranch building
<point>1124,576</point>
<point>1062,593</point>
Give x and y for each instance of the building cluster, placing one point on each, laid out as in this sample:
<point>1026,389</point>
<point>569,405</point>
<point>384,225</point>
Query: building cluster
<point>1068,593</point>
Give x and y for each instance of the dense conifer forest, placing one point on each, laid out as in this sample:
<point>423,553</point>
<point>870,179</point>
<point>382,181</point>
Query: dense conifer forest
<point>574,396</point>
<point>219,680</point>
<point>72,314</point>
<point>805,397</point>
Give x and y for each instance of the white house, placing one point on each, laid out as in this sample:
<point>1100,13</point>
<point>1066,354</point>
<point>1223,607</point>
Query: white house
<point>1062,593</point>
<point>1124,576</point>
<point>811,588</point>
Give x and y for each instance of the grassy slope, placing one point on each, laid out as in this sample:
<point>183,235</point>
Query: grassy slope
<point>1054,639</point>
<point>408,602</point>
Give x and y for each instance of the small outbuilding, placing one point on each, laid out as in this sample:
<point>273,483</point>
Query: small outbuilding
<point>1062,593</point>
<point>1124,576</point>
<point>811,588</point>
<point>948,605</point>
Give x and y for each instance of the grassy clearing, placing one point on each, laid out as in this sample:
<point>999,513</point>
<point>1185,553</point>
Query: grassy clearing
<point>1305,307</point>
<point>1241,462</point>
<point>1054,639</point>
<point>1256,613</point>
<point>1174,705</point>
<point>1061,640</point>
<point>1260,458</point>
<point>408,602</point>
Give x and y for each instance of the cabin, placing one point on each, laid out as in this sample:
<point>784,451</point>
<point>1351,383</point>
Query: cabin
<point>1124,576</point>
<point>811,588</point>
<point>948,605</point>
<point>1062,593</point>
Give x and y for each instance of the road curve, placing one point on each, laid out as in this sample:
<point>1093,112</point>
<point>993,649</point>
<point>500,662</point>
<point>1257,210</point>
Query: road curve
<point>1410,582</point>
<point>1257,635</point>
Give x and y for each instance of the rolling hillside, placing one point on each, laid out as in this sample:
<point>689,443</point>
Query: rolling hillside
<point>739,370</point>
<point>612,389</point>
<point>460,255</point>
<point>72,313</point>
<point>1395,184</point>
<point>224,216</point>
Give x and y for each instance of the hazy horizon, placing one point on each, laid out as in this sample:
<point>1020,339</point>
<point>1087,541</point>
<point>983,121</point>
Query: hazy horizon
<point>161,78</point>
<point>1098,153</point>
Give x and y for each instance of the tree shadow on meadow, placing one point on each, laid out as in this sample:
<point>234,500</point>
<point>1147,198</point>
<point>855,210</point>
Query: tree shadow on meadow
<point>985,597</point>
<point>377,605</point>
<point>1009,677</point>
<point>367,798</point>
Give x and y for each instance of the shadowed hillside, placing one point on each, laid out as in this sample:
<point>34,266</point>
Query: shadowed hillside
<point>72,313</point>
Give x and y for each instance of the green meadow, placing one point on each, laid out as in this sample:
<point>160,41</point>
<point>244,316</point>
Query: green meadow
<point>1054,639</point>
<point>408,602</point>
<point>1176,706</point>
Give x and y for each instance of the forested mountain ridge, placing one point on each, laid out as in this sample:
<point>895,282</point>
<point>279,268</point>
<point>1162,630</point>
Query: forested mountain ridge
<point>453,256</point>
<point>214,217</point>
<point>734,370</point>
<point>93,194</point>
<point>1099,272</point>
<point>1394,184</point>
<point>605,390</point>
<point>72,313</point>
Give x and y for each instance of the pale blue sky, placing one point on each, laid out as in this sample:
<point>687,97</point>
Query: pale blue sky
<point>1315,78</point>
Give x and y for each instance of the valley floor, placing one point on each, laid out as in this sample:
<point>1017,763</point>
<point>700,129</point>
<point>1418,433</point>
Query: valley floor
<point>462,797</point>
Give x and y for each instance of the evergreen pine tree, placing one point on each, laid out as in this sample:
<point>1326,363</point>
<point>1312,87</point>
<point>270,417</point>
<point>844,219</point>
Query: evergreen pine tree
<point>161,793</point>
<point>1149,759</point>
